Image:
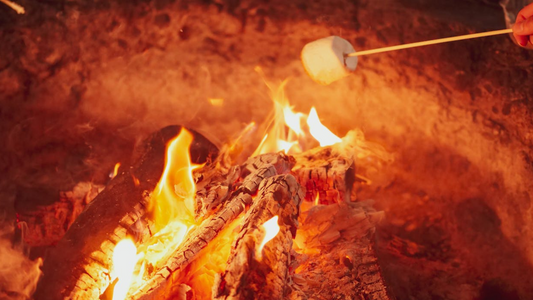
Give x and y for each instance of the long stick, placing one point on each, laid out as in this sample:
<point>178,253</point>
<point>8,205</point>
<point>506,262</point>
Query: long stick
<point>432,42</point>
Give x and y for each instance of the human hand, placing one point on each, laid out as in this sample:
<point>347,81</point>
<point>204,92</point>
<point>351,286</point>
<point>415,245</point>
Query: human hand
<point>523,27</point>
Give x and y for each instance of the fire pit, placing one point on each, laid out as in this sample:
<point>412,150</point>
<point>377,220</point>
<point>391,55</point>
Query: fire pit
<point>431,202</point>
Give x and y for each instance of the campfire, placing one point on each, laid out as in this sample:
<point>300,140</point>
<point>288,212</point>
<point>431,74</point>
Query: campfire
<point>224,224</point>
<point>146,158</point>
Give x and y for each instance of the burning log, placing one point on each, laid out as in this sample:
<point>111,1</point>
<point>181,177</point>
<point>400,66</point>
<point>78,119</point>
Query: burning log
<point>215,185</point>
<point>78,267</point>
<point>326,175</point>
<point>254,171</point>
<point>213,188</point>
<point>160,285</point>
<point>249,273</point>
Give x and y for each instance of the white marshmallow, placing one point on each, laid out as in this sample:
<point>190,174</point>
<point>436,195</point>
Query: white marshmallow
<point>325,59</point>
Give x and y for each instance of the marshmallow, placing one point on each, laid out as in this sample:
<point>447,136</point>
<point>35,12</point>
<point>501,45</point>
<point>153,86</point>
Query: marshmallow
<point>325,59</point>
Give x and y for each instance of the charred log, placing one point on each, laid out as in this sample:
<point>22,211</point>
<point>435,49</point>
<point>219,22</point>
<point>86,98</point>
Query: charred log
<point>215,184</point>
<point>325,174</point>
<point>263,275</point>
<point>78,267</point>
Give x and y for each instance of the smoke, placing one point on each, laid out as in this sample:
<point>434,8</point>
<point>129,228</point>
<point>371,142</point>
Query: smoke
<point>18,274</point>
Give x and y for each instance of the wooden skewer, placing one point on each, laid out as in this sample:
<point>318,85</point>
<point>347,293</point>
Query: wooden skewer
<point>19,9</point>
<point>432,42</point>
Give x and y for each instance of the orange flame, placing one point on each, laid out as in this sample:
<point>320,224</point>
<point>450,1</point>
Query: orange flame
<point>320,132</point>
<point>174,196</point>
<point>172,203</point>
<point>271,229</point>
<point>124,261</point>
<point>211,261</point>
<point>284,130</point>
<point>284,127</point>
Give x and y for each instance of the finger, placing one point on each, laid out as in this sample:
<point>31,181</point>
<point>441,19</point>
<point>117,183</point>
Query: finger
<point>521,39</point>
<point>525,13</point>
<point>524,27</point>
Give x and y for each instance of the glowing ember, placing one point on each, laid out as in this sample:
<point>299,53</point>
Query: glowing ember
<point>320,132</point>
<point>317,199</point>
<point>271,228</point>
<point>115,170</point>
<point>124,261</point>
<point>211,261</point>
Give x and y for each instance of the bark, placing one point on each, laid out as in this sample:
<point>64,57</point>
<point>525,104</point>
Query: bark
<point>253,275</point>
<point>78,267</point>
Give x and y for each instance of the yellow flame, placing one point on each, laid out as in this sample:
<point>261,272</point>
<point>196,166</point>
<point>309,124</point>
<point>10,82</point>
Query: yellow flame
<point>174,197</point>
<point>211,261</point>
<point>271,229</point>
<point>292,119</point>
<point>172,203</point>
<point>284,129</point>
<point>317,199</point>
<point>124,261</point>
<point>320,132</point>
<point>286,146</point>
<point>216,101</point>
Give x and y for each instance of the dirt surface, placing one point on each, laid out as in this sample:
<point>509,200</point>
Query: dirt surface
<point>81,82</point>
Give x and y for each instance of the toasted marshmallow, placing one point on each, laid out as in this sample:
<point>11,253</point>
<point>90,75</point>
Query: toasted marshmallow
<point>325,60</point>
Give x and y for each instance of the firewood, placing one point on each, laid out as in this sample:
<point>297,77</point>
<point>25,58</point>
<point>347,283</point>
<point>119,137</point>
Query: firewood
<point>326,174</point>
<point>216,182</point>
<point>78,267</point>
<point>250,275</point>
<point>213,188</point>
<point>256,170</point>
<point>165,277</point>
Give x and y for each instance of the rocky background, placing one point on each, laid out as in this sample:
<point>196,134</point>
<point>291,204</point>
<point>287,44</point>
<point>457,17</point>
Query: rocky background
<point>83,82</point>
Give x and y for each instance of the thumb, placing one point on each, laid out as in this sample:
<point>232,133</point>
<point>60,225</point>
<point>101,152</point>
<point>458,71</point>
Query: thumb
<point>523,27</point>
